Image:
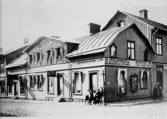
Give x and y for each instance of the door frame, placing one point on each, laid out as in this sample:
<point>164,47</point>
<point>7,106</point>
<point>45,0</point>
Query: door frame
<point>159,66</point>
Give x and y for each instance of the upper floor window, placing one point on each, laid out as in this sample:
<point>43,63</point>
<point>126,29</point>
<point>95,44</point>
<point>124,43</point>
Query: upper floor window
<point>131,50</point>
<point>159,46</point>
<point>1,68</point>
<point>30,59</point>
<point>113,51</point>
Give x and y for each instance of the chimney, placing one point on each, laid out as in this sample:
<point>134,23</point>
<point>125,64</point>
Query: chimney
<point>143,13</point>
<point>94,28</point>
<point>25,41</point>
<point>1,49</point>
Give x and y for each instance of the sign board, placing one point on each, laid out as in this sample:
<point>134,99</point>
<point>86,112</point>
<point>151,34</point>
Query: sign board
<point>87,63</point>
<point>124,62</point>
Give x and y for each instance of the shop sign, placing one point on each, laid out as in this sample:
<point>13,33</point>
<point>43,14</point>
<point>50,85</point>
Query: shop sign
<point>123,62</point>
<point>142,64</point>
<point>165,66</point>
<point>117,62</point>
<point>87,63</point>
<point>51,73</point>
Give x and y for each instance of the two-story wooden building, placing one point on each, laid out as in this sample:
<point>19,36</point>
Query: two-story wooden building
<point>156,33</point>
<point>47,73</point>
<point>15,63</point>
<point>116,59</point>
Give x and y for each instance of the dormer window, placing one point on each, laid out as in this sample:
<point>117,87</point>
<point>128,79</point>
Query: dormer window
<point>113,50</point>
<point>121,23</point>
<point>30,59</point>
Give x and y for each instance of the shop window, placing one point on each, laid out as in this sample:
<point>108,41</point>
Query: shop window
<point>22,91</point>
<point>144,80</point>
<point>40,82</point>
<point>159,46</point>
<point>32,82</point>
<point>131,50</point>
<point>113,51</point>
<point>51,85</point>
<point>121,79</point>
<point>134,83</point>
<point>77,83</point>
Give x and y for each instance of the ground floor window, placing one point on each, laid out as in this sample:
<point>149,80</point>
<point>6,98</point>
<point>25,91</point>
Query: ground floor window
<point>51,85</point>
<point>144,80</point>
<point>77,83</point>
<point>32,82</point>
<point>121,79</point>
<point>40,82</point>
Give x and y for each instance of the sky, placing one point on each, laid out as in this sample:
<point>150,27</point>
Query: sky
<point>67,19</point>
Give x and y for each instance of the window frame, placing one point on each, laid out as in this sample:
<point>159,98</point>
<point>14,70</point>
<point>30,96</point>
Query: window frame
<point>53,92</point>
<point>74,84</point>
<point>157,44</point>
<point>113,45</point>
<point>30,79</point>
<point>129,41</point>
<point>143,88</point>
<point>40,78</point>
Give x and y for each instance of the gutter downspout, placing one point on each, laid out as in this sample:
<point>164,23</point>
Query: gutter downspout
<point>152,67</point>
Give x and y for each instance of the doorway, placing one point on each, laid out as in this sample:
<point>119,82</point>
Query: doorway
<point>60,86</point>
<point>160,75</point>
<point>93,82</point>
<point>15,88</point>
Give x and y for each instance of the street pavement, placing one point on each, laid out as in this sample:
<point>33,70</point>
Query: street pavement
<point>30,108</point>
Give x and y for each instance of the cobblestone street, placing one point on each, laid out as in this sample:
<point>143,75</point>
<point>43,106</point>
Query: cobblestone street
<point>40,109</point>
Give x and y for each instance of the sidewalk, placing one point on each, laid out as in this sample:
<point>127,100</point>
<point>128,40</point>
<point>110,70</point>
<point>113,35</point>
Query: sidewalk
<point>113,104</point>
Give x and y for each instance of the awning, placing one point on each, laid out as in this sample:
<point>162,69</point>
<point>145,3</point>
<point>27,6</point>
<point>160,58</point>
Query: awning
<point>18,62</point>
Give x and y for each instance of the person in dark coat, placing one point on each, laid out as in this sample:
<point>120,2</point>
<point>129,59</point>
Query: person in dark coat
<point>87,97</point>
<point>97,97</point>
<point>155,92</point>
<point>101,95</point>
<point>160,93</point>
<point>90,97</point>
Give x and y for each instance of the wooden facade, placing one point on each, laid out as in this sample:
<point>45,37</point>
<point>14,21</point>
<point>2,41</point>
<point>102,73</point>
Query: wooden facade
<point>153,31</point>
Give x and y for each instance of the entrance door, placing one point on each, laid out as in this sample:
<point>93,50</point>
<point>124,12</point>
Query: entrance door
<point>160,75</point>
<point>93,84</point>
<point>15,88</point>
<point>60,86</point>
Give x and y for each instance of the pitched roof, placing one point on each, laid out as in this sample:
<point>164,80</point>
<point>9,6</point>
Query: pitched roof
<point>148,21</point>
<point>36,42</point>
<point>99,41</point>
<point>14,49</point>
<point>18,62</point>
